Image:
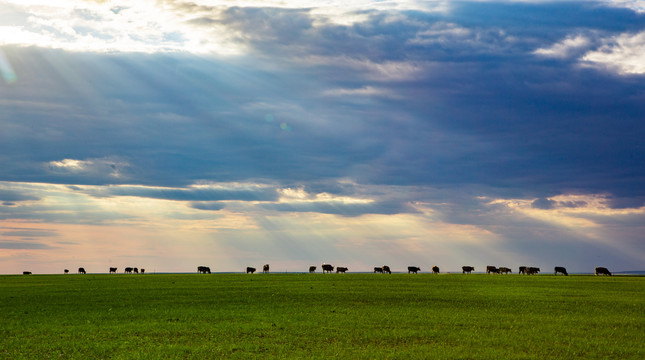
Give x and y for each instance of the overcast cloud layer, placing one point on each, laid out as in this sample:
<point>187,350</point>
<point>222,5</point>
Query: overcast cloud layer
<point>231,133</point>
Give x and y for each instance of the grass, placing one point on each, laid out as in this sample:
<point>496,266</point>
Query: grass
<point>319,316</point>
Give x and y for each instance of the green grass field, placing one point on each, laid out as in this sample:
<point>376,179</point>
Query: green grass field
<point>369,316</point>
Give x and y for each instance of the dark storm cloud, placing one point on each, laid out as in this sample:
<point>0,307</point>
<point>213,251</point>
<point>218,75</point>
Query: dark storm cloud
<point>548,204</point>
<point>29,233</point>
<point>343,209</point>
<point>12,196</point>
<point>210,206</point>
<point>265,194</point>
<point>469,103</point>
<point>23,245</point>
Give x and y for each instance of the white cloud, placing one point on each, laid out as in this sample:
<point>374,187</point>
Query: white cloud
<point>363,91</point>
<point>624,54</point>
<point>566,48</point>
<point>636,5</point>
<point>104,167</point>
<point>161,25</point>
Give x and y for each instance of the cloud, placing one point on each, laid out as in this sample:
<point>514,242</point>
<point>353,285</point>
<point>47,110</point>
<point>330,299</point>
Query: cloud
<point>571,46</point>
<point>247,123</point>
<point>548,204</point>
<point>22,245</point>
<point>624,53</point>
<point>367,91</point>
<point>636,5</point>
<point>12,196</point>
<point>29,233</point>
<point>218,192</point>
<point>90,168</point>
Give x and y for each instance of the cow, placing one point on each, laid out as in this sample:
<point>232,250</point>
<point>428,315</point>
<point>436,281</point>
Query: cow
<point>203,270</point>
<point>413,269</point>
<point>505,270</point>
<point>136,270</point>
<point>386,269</point>
<point>26,272</point>
<point>435,269</point>
<point>522,270</point>
<point>143,271</point>
<point>81,270</point>
<point>602,271</point>
<point>250,270</point>
<point>467,269</point>
<point>265,268</point>
<point>378,269</point>
<point>128,270</point>
<point>492,269</point>
<point>66,271</point>
<point>112,270</point>
<point>560,269</point>
<point>532,270</point>
<point>341,269</point>
<point>312,269</point>
<point>327,268</point>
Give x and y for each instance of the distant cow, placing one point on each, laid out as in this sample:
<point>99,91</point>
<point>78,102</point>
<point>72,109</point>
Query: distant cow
<point>250,270</point>
<point>341,269</point>
<point>81,270</point>
<point>265,268</point>
<point>378,269</point>
<point>327,268</point>
<point>26,272</point>
<point>112,270</point>
<point>143,271</point>
<point>203,270</point>
<point>602,271</point>
<point>136,270</point>
<point>505,270</point>
<point>66,271</point>
<point>435,269</point>
<point>312,269</point>
<point>413,269</point>
<point>532,270</point>
<point>128,270</point>
<point>523,270</point>
<point>386,269</point>
<point>492,269</point>
<point>467,269</point>
<point>560,269</point>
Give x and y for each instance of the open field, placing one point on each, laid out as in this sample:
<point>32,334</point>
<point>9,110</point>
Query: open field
<point>322,316</point>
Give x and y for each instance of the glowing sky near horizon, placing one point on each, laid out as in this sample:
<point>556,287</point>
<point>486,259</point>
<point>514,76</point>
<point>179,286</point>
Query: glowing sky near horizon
<point>168,134</point>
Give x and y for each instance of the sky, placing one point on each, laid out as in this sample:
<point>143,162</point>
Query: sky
<point>168,134</point>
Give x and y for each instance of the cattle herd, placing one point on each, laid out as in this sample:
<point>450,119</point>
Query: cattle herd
<point>327,268</point>
<point>523,270</point>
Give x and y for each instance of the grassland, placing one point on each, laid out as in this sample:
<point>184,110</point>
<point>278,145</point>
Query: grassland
<point>320,316</point>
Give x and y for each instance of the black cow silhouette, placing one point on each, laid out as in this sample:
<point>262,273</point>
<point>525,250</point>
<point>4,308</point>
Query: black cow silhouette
<point>203,270</point>
<point>327,268</point>
<point>602,271</point>
<point>561,270</point>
